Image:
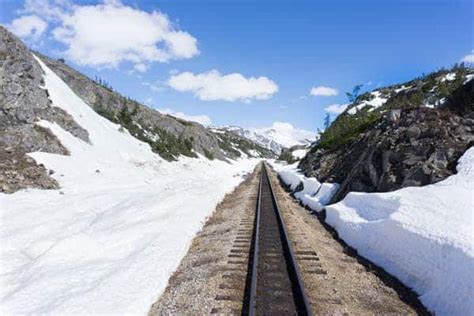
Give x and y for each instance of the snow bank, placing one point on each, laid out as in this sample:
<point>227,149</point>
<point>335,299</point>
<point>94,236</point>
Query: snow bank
<point>107,242</point>
<point>314,194</point>
<point>289,174</point>
<point>422,235</point>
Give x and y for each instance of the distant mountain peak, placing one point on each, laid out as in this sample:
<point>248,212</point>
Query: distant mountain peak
<point>276,137</point>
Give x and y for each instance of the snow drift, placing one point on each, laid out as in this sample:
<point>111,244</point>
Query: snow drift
<point>313,194</point>
<point>108,241</point>
<point>422,235</point>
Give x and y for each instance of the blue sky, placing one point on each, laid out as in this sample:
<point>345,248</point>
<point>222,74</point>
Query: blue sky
<point>289,47</point>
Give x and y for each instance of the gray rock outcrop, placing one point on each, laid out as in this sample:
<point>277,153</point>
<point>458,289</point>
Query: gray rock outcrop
<point>22,104</point>
<point>407,145</point>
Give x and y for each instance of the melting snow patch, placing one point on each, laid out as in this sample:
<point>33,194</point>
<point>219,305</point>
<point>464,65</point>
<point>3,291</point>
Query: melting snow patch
<point>468,78</point>
<point>449,77</point>
<point>376,102</point>
<point>402,88</point>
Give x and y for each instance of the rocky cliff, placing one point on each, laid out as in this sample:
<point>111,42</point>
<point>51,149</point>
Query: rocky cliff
<point>23,103</point>
<point>404,135</point>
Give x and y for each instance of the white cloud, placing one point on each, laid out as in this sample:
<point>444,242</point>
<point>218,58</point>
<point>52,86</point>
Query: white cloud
<point>110,33</point>
<point>155,87</point>
<point>211,86</point>
<point>141,67</point>
<point>323,91</point>
<point>50,10</point>
<point>201,119</point>
<point>28,26</point>
<point>469,58</point>
<point>336,108</point>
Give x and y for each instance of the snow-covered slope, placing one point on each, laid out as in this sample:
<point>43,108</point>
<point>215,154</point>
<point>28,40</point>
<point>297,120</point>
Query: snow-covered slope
<point>110,238</point>
<point>276,137</point>
<point>422,235</point>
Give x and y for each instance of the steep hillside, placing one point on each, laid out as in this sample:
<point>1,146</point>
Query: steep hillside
<point>168,136</point>
<point>409,134</point>
<point>23,103</point>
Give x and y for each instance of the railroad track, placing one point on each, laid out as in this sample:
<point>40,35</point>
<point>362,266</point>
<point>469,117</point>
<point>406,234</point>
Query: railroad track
<point>276,285</point>
<point>262,264</point>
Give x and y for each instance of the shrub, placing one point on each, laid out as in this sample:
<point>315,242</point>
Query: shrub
<point>208,154</point>
<point>287,156</point>
<point>346,128</point>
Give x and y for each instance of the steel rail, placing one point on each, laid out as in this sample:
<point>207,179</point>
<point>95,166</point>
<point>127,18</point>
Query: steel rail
<point>299,293</point>
<point>253,284</point>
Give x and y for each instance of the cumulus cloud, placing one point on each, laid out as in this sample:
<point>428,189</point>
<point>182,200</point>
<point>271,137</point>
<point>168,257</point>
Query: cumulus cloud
<point>336,108</point>
<point>107,34</point>
<point>28,26</point>
<point>323,91</point>
<point>110,33</point>
<point>201,119</point>
<point>469,58</point>
<point>212,85</point>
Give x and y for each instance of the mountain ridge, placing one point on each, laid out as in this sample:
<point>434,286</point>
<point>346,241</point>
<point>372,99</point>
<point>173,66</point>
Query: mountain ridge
<point>272,138</point>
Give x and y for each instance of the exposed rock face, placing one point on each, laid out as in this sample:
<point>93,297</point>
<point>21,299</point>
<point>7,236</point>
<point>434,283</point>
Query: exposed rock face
<point>410,146</point>
<point>22,100</point>
<point>19,171</point>
<point>23,103</point>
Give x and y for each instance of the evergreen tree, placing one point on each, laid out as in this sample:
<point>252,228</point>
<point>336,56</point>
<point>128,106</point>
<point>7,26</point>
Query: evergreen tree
<point>327,121</point>
<point>355,93</point>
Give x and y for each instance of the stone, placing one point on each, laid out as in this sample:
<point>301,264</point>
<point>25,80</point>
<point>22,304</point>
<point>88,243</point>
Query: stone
<point>14,88</point>
<point>413,132</point>
<point>5,188</point>
<point>394,116</point>
<point>439,159</point>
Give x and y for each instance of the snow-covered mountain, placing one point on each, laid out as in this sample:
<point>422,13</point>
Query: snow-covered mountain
<point>276,137</point>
